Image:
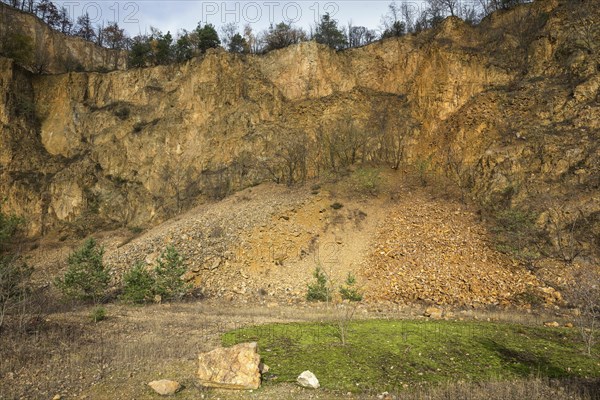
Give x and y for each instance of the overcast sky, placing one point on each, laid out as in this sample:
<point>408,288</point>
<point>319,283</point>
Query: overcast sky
<point>172,15</point>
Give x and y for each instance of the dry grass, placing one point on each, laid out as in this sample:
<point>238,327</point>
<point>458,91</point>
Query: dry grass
<point>530,389</point>
<point>114,359</point>
<point>67,353</point>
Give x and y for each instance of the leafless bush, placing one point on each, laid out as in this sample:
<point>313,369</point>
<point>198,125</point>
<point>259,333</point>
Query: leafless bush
<point>178,178</point>
<point>389,135</point>
<point>460,172</point>
<point>14,290</point>
<point>216,183</point>
<point>244,170</point>
<point>564,228</point>
<point>341,145</point>
<point>288,160</point>
<point>585,295</point>
<point>584,30</point>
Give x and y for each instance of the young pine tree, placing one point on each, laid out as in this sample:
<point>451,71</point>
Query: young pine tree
<point>167,274</point>
<point>138,285</point>
<point>87,278</point>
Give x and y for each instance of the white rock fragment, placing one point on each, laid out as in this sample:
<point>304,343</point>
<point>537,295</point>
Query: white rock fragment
<point>308,380</point>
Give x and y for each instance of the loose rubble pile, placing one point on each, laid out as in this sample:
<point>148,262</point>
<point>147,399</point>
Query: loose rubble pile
<point>261,244</point>
<point>437,252</point>
<point>209,235</point>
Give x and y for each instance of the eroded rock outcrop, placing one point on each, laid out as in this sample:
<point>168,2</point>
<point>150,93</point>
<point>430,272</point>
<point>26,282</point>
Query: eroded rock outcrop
<point>54,52</point>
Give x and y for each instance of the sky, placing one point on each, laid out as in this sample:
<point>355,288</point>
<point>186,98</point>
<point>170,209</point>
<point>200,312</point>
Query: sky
<point>173,15</point>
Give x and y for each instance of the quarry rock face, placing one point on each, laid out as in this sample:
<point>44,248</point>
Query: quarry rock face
<point>235,367</point>
<point>59,52</point>
<point>488,107</point>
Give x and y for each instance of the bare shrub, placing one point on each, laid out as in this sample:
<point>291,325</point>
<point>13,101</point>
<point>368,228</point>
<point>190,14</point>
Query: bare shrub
<point>14,287</point>
<point>178,177</point>
<point>585,295</point>
<point>584,32</point>
<point>515,233</point>
<point>288,160</point>
<point>216,184</point>
<point>564,226</point>
<point>460,172</point>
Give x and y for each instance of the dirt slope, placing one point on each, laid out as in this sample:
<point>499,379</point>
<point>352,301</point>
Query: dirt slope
<point>262,245</point>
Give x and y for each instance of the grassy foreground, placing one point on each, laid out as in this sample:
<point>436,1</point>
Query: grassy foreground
<point>382,355</point>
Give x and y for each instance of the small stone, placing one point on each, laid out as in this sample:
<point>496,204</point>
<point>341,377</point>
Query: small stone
<point>216,264</point>
<point>263,368</point>
<point>57,397</point>
<point>241,290</point>
<point>569,325</point>
<point>308,380</point>
<point>433,313</point>
<point>151,258</point>
<point>552,324</point>
<point>165,387</point>
<point>188,276</point>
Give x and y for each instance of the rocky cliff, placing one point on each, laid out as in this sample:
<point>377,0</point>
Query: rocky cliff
<point>509,110</point>
<point>54,52</point>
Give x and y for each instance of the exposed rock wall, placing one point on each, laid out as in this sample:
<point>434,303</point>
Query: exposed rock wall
<point>58,52</point>
<point>508,109</point>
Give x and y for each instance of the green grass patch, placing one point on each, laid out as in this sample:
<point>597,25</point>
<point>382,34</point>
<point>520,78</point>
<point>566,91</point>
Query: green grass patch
<point>391,355</point>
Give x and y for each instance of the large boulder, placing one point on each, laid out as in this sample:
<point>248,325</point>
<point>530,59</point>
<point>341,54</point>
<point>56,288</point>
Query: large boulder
<point>230,367</point>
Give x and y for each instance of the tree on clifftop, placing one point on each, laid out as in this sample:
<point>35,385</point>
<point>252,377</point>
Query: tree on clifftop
<point>207,37</point>
<point>282,35</point>
<point>139,53</point>
<point>65,22</point>
<point>393,26</point>
<point>162,47</point>
<point>85,29</point>
<point>114,36</point>
<point>327,32</point>
<point>183,49</point>
<point>48,13</point>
